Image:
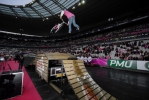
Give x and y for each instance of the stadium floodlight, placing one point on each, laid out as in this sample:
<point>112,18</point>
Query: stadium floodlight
<point>83,1</point>
<point>79,4</point>
<point>73,7</point>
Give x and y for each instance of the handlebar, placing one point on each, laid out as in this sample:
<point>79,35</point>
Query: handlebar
<point>64,21</point>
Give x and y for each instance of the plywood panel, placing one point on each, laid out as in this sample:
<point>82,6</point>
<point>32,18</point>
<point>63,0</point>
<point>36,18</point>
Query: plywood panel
<point>42,58</point>
<point>81,66</point>
<point>38,72</point>
<point>83,85</point>
<point>68,65</point>
<point>83,81</point>
<point>84,98</point>
<point>81,94</point>
<point>40,55</point>
<point>68,62</point>
<point>73,81</point>
<point>78,61</point>
<point>82,88</point>
<point>87,92</point>
<point>72,77</point>
<point>45,64</point>
<point>101,94</point>
<point>60,75</point>
<point>46,79</point>
<point>74,68</point>
<point>107,96</point>
<point>75,72</point>
<point>78,68</point>
<point>59,56</point>
<point>69,73</point>
<point>112,98</point>
<point>76,85</point>
<point>42,66</point>
<point>68,68</point>
<point>43,61</point>
<point>72,65</point>
<point>45,74</point>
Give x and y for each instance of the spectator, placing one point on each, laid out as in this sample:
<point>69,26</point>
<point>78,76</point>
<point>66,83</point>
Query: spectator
<point>21,61</point>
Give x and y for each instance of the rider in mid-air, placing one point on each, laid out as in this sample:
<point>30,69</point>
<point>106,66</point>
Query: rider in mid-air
<point>71,19</point>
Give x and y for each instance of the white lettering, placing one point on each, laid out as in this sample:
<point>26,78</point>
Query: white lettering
<point>112,62</point>
<point>128,66</point>
<point>120,64</point>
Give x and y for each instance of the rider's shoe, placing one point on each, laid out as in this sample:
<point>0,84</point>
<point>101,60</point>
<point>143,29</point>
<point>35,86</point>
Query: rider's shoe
<point>78,29</point>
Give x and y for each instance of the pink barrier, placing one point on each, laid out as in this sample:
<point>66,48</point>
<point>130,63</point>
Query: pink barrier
<point>104,38</point>
<point>140,32</point>
<point>99,61</point>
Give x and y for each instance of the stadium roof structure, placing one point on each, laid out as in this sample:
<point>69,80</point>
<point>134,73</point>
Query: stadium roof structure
<point>39,16</point>
<point>37,8</point>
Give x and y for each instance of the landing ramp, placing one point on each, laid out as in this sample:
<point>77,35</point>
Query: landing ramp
<point>83,85</point>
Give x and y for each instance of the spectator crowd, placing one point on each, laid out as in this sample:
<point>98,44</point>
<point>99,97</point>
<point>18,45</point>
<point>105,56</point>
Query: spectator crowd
<point>128,43</point>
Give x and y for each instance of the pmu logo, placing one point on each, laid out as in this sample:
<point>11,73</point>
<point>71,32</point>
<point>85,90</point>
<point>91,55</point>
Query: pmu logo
<point>147,65</point>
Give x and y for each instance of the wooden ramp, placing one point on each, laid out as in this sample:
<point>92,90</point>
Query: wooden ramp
<point>83,85</point>
<point>79,79</point>
<point>42,62</point>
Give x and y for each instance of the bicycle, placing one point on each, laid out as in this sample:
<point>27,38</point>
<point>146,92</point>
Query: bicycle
<point>57,27</point>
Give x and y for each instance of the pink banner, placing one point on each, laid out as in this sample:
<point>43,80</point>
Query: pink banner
<point>100,61</point>
<point>107,37</point>
<point>140,32</point>
<point>103,38</point>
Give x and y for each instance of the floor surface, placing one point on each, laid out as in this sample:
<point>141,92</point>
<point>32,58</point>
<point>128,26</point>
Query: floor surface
<point>122,84</point>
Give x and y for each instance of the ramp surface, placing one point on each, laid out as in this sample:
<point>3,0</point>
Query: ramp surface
<point>83,85</point>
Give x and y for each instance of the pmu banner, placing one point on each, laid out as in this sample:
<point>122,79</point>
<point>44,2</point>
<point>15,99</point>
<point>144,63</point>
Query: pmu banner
<point>129,64</point>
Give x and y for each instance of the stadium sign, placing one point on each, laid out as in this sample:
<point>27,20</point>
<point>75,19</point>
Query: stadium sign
<point>147,65</point>
<point>122,64</point>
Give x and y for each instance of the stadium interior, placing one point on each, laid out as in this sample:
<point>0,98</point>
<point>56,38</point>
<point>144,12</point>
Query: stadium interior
<point>76,66</point>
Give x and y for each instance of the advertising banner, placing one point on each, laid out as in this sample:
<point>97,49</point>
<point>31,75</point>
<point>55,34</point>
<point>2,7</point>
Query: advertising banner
<point>125,64</point>
<point>143,65</point>
<point>99,61</point>
<point>128,64</point>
